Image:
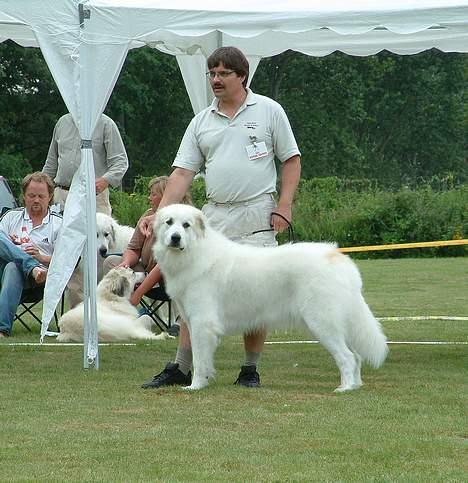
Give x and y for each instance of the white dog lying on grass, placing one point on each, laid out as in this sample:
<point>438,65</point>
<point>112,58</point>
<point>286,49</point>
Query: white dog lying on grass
<point>222,287</point>
<point>117,318</point>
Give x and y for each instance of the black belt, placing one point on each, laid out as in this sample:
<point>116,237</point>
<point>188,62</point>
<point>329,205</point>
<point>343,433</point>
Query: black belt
<point>66,188</point>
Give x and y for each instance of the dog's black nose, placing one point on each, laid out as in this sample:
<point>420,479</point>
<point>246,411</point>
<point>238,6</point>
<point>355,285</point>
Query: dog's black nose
<point>103,252</point>
<point>175,239</point>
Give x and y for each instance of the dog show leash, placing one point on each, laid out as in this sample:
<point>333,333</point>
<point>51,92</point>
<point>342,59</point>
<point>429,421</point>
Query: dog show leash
<point>291,237</point>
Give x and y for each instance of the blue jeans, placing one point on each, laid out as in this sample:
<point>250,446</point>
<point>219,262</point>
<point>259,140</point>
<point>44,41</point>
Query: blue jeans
<point>15,267</point>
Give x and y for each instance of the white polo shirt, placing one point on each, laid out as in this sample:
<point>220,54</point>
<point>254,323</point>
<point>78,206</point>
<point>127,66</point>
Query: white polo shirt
<point>43,236</point>
<point>225,146</point>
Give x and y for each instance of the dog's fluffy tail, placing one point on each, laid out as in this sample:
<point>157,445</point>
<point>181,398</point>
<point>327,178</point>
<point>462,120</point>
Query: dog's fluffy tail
<point>366,335</point>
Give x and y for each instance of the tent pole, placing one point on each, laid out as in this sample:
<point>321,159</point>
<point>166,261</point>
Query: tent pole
<point>90,335</point>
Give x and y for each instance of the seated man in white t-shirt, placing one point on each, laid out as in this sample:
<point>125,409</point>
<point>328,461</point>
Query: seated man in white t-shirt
<point>27,237</point>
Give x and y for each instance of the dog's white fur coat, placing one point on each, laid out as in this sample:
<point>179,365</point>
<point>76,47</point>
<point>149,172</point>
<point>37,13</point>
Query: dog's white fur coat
<point>223,287</point>
<point>117,318</point>
<point>111,238</point>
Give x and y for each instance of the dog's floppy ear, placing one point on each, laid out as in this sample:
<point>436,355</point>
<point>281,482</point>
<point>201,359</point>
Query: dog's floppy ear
<point>156,222</point>
<point>119,285</point>
<point>112,231</point>
<point>200,224</point>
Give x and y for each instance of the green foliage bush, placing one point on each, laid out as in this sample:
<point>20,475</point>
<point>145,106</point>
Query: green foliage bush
<point>198,192</point>
<point>328,210</point>
<point>127,208</point>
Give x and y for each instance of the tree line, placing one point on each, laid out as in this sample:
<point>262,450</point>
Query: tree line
<point>389,118</point>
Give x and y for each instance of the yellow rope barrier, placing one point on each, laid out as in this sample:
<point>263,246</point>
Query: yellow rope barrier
<point>397,246</point>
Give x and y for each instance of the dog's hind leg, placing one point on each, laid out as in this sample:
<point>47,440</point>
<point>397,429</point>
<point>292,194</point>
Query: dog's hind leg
<point>332,338</point>
<point>344,359</point>
<point>327,324</point>
<point>357,370</point>
<point>204,344</point>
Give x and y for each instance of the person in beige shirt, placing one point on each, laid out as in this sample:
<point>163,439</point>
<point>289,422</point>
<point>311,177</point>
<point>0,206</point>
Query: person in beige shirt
<point>139,252</point>
<point>64,158</point>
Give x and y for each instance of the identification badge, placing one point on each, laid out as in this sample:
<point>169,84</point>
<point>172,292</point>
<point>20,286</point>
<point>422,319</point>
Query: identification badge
<point>256,150</point>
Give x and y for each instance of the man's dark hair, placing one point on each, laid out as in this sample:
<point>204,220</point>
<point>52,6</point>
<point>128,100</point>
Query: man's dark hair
<point>232,58</point>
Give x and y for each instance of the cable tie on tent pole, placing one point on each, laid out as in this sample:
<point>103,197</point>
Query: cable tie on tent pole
<point>86,144</point>
<point>83,14</point>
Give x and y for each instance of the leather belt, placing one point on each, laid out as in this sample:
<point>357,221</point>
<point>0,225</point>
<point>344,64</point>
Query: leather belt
<point>252,201</point>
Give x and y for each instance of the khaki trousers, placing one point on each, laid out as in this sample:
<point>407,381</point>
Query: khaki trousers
<point>102,200</point>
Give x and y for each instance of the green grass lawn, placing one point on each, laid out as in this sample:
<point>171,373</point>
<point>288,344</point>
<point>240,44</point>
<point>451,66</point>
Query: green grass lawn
<point>408,422</point>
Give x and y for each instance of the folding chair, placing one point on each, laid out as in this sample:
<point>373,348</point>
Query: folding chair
<point>154,301</point>
<point>30,298</point>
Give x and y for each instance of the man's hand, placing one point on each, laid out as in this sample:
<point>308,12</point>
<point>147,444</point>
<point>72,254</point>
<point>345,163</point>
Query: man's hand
<point>33,251</point>
<point>122,265</point>
<point>101,185</point>
<point>135,299</point>
<point>146,225</point>
<point>15,239</point>
<point>279,225</point>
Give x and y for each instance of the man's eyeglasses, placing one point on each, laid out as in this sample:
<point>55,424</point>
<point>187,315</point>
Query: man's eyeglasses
<point>222,74</point>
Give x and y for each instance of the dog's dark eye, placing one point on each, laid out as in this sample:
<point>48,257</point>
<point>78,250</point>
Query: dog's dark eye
<point>106,234</point>
<point>169,222</point>
<point>186,225</point>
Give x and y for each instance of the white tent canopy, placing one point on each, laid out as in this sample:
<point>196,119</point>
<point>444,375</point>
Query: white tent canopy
<point>85,44</point>
<point>260,29</point>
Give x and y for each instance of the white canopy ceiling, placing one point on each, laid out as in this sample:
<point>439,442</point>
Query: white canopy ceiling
<point>154,20</point>
<point>85,44</point>
<point>260,29</point>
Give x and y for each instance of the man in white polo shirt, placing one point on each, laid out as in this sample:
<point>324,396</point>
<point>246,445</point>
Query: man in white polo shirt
<point>27,237</point>
<point>236,139</point>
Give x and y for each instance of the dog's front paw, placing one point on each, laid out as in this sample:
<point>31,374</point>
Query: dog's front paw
<point>196,385</point>
<point>349,387</point>
<point>163,336</point>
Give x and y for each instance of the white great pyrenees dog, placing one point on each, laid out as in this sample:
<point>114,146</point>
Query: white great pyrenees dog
<point>117,318</point>
<point>111,238</point>
<point>223,287</point>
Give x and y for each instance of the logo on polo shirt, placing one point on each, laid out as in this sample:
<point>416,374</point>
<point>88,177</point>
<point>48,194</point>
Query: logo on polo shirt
<point>251,124</point>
